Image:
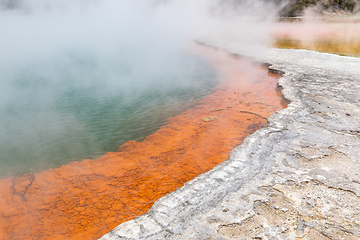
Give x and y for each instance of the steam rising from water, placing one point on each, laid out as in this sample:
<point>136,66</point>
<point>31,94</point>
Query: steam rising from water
<point>70,68</point>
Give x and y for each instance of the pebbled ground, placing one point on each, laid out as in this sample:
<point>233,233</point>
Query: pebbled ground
<point>296,179</point>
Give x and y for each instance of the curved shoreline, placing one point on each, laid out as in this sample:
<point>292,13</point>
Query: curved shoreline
<point>298,178</point>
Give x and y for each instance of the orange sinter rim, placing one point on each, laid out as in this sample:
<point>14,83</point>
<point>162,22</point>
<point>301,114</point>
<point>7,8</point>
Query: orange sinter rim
<point>84,200</point>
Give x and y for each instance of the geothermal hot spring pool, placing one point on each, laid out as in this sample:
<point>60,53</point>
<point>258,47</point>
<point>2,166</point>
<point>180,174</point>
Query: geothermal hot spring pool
<point>149,112</point>
<point>86,199</point>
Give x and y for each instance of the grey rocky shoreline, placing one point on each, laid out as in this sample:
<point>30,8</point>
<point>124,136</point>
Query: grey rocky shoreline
<point>299,178</point>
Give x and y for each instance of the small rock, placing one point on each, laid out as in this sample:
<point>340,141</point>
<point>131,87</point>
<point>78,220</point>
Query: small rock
<point>209,119</point>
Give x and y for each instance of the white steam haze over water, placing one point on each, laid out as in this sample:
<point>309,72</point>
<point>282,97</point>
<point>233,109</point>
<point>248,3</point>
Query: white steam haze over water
<point>79,78</point>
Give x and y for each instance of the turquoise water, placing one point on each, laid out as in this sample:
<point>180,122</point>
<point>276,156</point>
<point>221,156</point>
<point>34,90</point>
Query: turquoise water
<point>77,105</point>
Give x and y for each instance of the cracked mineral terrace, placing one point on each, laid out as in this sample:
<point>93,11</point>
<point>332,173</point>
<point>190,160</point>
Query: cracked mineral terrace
<point>296,179</point>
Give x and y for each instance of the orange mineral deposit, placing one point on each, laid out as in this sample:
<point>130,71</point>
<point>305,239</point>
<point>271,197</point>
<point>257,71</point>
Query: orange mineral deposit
<point>84,200</point>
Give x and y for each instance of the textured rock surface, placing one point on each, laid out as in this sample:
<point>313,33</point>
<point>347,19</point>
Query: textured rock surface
<point>296,179</point>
